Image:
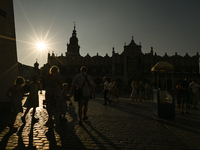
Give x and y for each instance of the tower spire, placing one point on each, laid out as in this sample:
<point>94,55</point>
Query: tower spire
<point>74,26</point>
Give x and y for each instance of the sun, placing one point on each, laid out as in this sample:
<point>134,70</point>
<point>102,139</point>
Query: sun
<point>41,46</point>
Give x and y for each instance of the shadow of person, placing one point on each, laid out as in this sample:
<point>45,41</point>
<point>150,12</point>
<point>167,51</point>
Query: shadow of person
<point>52,140</point>
<point>4,141</point>
<point>66,131</point>
<point>21,144</point>
<point>30,145</point>
<point>100,145</point>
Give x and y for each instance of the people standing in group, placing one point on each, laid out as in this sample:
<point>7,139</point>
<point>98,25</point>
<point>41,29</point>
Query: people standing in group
<point>53,96</point>
<point>79,80</point>
<point>16,94</point>
<point>33,100</point>
<point>106,91</point>
<point>194,93</point>
<point>185,94</point>
<point>134,92</point>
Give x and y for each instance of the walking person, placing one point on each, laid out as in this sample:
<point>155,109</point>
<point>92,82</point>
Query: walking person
<point>116,90</point>
<point>110,89</point>
<point>33,100</point>
<point>106,91</point>
<point>195,90</point>
<point>148,91</point>
<point>178,94</point>
<point>84,81</point>
<point>141,90</point>
<point>16,94</point>
<point>185,94</point>
<point>53,96</point>
<point>134,92</point>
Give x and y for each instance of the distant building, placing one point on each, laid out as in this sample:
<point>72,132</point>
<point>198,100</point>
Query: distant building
<point>130,65</point>
<point>28,71</point>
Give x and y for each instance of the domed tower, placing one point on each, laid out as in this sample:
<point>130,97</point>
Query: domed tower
<point>36,65</point>
<point>73,47</point>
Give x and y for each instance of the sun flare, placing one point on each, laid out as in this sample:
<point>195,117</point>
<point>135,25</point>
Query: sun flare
<point>41,46</point>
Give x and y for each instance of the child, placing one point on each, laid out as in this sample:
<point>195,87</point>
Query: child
<point>32,101</point>
<point>65,98</point>
<point>16,94</point>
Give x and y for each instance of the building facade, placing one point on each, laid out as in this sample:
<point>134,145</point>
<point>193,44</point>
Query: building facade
<point>8,57</point>
<point>132,64</point>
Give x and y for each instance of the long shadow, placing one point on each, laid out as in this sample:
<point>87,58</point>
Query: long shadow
<point>117,103</point>
<point>132,109</point>
<point>21,145</point>
<point>30,145</point>
<point>67,133</point>
<point>5,118</point>
<point>100,145</point>
<point>20,139</point>
<point>52,140</point>
<point>4,141</point>
<point>183,124</point>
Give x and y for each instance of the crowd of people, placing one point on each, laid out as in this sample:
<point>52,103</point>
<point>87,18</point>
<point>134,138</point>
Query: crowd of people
<point>58,97</point>
<point>140,91</point>
<point>187,93</point>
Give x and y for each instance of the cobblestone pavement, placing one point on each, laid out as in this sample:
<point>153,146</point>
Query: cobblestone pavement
<point>121,125</point>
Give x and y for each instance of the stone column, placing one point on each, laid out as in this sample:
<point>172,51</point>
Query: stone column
<point>8,56</point>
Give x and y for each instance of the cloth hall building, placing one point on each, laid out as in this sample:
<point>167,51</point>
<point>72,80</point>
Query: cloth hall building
<point>132,64</point>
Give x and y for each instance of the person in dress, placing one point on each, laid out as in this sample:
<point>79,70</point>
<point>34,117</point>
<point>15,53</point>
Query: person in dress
<point>16,94</point>
<point>134,92</point>
<point>110,89</point>
<point>53,96</point>
<point>33,100</point>
<point>115,91</point>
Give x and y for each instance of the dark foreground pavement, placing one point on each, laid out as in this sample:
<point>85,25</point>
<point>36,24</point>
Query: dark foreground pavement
<point>121,125</point>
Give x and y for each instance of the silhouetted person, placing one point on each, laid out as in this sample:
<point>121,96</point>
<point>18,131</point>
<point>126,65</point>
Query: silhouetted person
<point>78,81</point>
<point>106,91</point>
<point>16,94</point>
<point>185,93</point>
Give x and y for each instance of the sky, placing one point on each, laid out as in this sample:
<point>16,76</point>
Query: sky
<point>168,26</point>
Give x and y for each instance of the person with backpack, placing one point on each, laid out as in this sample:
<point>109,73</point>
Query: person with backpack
<point>84,81</point>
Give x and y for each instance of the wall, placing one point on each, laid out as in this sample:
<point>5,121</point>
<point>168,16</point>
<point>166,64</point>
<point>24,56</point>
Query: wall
<point>8,56</point>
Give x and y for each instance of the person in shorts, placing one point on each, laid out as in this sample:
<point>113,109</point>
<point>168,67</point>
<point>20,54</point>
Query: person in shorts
<point>78,81</point>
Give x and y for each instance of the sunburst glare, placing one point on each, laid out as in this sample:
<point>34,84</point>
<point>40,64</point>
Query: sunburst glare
<point>41,46</point>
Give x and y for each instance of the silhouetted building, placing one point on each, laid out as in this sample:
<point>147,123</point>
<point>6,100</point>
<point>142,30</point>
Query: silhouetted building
<point>8,57</point>
<point>27,72</point>
<point>130,65</point>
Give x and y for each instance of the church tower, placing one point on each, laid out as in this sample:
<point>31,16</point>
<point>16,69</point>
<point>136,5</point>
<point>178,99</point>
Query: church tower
<point>73,47</point>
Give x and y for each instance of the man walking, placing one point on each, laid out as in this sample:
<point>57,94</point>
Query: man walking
<point>106,91</point>
<point>185,93</point>
<point>84,81</point>
<point>194,95</point>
